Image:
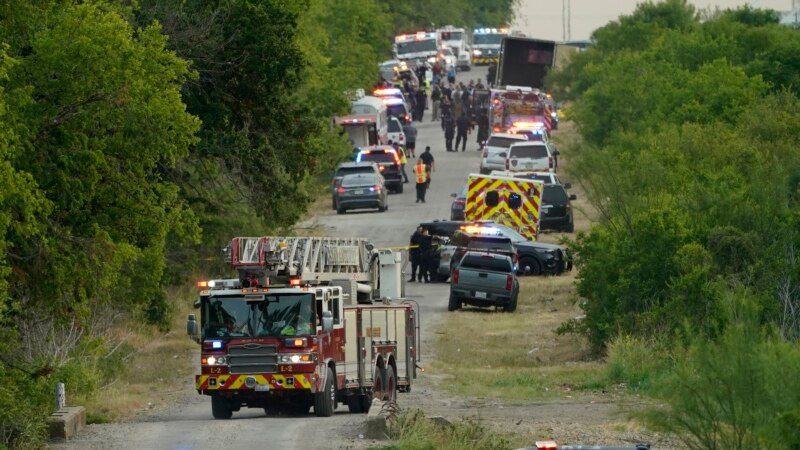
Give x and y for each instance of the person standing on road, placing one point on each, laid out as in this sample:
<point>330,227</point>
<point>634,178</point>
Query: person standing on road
<point>420,100</point>
<point>451,74</point>
<point>462,128</point>
<point>446,109</point>
<point>411,138</point>
<point>483,129</point>
<point>403,159</point>
<point>421,179</point>
<point>427,158</point>
<point>491,74</point>
<point>426,255</point>
<point>436,97</point>
<point>414,254</point>
<point>449,126</point>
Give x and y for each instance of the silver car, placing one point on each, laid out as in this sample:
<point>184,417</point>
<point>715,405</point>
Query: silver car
<point>496,150</point>
<point>360,190</point>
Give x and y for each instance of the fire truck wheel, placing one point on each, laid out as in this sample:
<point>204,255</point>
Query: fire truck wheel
<point>324,401</point>
<point>454,303</point>
<point>378,385</point>
<point>391,385</point>
<point>529,266</point>
<point>221,407</point>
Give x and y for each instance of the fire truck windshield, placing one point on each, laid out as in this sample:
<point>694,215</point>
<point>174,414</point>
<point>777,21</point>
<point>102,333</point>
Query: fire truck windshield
<point>488,39</point>
<point>274,316</point>
<point>426,45</point>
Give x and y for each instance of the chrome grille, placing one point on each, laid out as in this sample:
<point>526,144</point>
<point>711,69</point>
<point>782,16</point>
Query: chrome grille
<point>253,358</point>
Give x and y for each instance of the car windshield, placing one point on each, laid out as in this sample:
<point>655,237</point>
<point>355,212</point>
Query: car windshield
<point>258,315</point>
<point>394,126</point>
<point>356,169</point>
<point>428,45</point>
<point>488,39</point>
<point>398,110</point>
<point>504,142</point>
<point>554,193</point>
<point>378,157</point>
<point>511,233</point>
<point>486,262</point>
<point>363,109</point>
<point>451,35</point>
<point>528,151</point>
<point>359,180</point>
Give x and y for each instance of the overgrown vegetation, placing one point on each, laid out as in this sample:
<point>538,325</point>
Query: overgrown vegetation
<point>135,138</point>
<point>690,128</point>
<point>411,430</point>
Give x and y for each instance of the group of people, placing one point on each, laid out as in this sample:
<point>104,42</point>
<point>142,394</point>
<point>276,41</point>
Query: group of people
<point>422,254</point>
<point>454,105</point>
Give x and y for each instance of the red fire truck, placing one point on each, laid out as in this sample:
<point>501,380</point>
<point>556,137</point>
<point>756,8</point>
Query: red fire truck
<point>518,108</point>
<point>304,325</point>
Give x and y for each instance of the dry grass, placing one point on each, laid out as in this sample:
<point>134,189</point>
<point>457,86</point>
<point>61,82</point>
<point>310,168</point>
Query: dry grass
<point>156,370</point>
<point>518,355</point>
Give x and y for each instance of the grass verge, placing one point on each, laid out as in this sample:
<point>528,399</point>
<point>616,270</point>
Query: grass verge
<point>518,356</point>
<point>143,384</point>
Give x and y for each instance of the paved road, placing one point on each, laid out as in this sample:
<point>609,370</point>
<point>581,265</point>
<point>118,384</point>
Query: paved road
<point>189,425</point>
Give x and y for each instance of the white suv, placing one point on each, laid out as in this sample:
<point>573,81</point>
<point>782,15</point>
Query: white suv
<point>396,131</point>
<point>531,157</point>
<point>496,150</point>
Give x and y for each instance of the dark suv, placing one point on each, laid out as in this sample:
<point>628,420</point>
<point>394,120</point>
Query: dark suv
<point>347,168</point>
<point>388,162</point>
<point>557,209</point>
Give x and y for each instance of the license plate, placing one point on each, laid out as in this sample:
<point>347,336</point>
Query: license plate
<point>358,191</point>
<point>262,387</point>
<point>479,294</point>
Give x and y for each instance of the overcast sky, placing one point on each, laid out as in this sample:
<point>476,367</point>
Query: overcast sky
<point>543,18</point>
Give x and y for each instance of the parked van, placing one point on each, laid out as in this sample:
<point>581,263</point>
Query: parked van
<point>376,107</point>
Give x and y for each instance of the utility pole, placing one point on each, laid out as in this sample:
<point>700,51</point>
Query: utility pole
<point>564,20</point>
<point>569,19</point>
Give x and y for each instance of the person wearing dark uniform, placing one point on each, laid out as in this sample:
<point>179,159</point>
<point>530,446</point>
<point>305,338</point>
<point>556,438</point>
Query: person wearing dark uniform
<point>426,254</point>
<point>449,126</point>
<point>483,129</point>
<point>414,254</point>
<point>462,128</point>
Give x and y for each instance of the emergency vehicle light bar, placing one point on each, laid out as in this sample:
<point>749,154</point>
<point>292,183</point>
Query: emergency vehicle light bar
<point>546,445</point>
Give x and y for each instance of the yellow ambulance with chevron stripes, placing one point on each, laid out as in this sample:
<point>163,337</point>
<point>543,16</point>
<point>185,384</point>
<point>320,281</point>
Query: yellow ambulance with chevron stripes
<point>513,202</point>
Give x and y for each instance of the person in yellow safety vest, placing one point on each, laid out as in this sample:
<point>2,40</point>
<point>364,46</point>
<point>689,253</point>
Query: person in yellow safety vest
<point>401,151</point>
<point>421,178</point>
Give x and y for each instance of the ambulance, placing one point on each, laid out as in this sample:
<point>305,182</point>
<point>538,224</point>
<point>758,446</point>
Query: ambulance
<point>514,202</point>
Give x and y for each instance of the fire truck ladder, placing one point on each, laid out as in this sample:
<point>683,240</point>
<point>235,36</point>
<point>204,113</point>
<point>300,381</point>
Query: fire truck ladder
<point>312,259</point>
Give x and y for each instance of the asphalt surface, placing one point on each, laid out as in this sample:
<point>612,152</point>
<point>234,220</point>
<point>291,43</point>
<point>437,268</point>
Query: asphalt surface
<point>189,425</point>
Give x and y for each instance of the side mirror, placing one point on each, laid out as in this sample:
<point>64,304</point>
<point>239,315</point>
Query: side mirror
<point>192,328</point>
<point>327,321</point>
<point>573,197</point>
<point>454,195</point>
<point>567,185</point>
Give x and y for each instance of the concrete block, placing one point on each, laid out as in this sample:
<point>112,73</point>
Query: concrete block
<point>67,422</point>
<point>375,425</point>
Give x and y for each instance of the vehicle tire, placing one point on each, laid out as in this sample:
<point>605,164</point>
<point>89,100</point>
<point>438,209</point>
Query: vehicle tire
<point>381,208</point>
<point>325,400</point>
<point>399,189</point>
<point>273,410</point>
<point>391,384</point>
<point>442,278</point>
<point>333,204</point>
<point>221,407</point>
<point>454,303</point>
<point>570,228</point>
<point>511,306</point>
<point>341,211</point>
<point>379,384</point>
<point>529,266</point>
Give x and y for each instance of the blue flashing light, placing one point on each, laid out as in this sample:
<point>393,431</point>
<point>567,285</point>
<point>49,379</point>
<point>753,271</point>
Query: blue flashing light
<point>216,345</point>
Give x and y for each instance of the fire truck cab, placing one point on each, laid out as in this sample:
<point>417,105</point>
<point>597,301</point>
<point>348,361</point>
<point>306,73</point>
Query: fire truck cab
<point>291,332</point>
